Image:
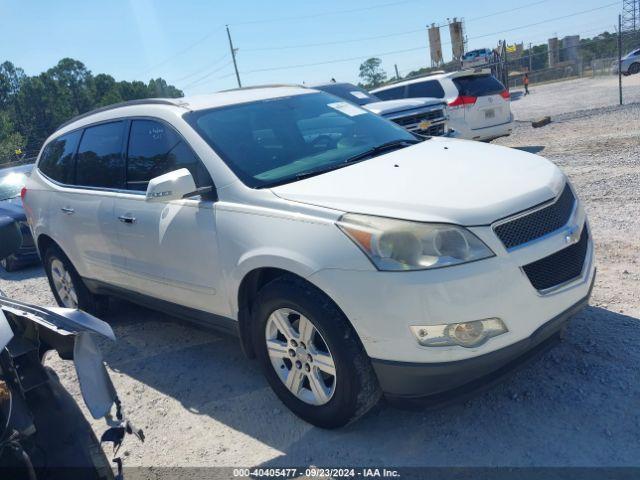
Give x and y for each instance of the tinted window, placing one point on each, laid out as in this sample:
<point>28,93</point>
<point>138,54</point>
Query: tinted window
<point>349,92</point>
<point>56,161</point>
<point>275,141</point>
<point>391,93</point>
<point>100,162</point>
<point>478,85</point>
<point>156,149</point>
<point>426,89</point>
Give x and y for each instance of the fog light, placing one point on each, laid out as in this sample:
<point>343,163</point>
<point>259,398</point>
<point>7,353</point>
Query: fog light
<point>466,334</point>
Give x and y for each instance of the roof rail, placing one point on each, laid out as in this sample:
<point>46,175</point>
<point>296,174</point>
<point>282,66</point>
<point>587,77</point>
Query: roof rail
<point>406,79</point>
<point>142,101</point>
<point>268,85</point>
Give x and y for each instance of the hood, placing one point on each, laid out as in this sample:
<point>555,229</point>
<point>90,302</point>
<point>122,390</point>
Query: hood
<point>393,106</point>
<point>13,208</point>
<point>438,180</point>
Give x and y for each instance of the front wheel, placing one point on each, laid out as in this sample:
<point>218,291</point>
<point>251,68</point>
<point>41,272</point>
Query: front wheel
<point>634,69</point>
<point>310,354</point>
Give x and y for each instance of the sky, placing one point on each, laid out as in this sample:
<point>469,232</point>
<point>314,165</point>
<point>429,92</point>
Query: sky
<point>283,41</point>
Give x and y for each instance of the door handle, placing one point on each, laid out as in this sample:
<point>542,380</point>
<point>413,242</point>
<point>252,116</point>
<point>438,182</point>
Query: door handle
<point>68,210</point>
<point>127,219</point>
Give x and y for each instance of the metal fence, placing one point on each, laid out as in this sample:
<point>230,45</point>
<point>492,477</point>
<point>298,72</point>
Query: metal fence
<point>565,71</point>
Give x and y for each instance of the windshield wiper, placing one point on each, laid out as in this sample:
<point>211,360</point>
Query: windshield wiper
<point>380,149</point>
<point>377,150</point>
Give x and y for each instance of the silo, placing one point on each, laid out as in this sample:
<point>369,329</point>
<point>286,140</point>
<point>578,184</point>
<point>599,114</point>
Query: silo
<point>554,52</point>
<point>435,45</point>
<point>570,48</point>
<point>457,39</point>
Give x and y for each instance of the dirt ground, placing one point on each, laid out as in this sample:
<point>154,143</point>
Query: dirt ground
<point>201,403</point>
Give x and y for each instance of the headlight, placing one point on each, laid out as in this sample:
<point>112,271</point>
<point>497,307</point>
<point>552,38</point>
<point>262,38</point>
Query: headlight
<point>467,334</point>
<point>397,245</point>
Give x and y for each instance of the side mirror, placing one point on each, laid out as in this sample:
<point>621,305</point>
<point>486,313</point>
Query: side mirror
<point>174,185</point>
<point>10,237</point>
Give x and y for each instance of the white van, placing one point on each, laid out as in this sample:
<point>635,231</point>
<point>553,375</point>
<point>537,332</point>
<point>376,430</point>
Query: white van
<point>479,104</point>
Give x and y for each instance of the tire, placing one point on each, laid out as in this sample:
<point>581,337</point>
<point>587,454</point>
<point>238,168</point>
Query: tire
<point>55,262</point>
<point>634,68</point>
<point>9,264</point>
<point>353,388</point>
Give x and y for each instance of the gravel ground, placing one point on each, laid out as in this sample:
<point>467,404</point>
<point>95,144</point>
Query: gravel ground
<point>201,403</point>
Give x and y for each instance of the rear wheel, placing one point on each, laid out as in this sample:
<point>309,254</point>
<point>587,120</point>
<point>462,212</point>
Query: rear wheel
<point>9,264</point>
<point>68,288</point>
<point>311,355</point>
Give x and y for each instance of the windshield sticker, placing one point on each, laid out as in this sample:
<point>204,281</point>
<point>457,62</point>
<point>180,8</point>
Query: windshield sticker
<point>347,108</point>
<point>360,95</point>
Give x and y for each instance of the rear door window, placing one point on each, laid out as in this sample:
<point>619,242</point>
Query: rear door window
<point>391,93</point>
<point>156,149</point>
<point>431,88</point>
<point>478,85</point>
<point>57,160</point>
<point>100,162</point>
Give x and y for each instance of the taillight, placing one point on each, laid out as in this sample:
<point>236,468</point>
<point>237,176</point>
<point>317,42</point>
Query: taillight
<point>505,94</point>
<point>463,100</point>
<point>23,193</point>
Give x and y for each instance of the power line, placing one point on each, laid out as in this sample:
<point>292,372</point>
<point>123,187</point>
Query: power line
<point>219,59</point>
<point>337,42</point>
<point>183,51</point>
<point>328,62</point>
<point>323,14</point>
<point>205,77</point>
<point>388,35</point>
<point>221,77</point>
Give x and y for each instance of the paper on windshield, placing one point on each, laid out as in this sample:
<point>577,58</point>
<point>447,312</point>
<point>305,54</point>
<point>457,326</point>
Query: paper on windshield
<point>347,108</point>
<point>360,95</point>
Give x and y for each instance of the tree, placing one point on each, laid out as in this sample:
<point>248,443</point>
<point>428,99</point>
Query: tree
<point>372,73</point>
<point>32,107</point>
<point>10,141</point>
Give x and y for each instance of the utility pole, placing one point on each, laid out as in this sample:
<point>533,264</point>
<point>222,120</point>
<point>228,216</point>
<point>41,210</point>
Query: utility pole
<point>620,57</point>
<point>397,74</point>
<point>233,56</point>
<point>530,57</point>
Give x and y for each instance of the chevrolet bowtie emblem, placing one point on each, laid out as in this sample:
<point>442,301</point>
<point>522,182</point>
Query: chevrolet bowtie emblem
<point>573,235</point>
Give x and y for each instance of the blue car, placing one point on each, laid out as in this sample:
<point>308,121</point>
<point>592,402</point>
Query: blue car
<point>12,179</point>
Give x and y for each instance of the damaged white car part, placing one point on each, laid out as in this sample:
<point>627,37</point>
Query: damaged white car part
<point>27,333</point>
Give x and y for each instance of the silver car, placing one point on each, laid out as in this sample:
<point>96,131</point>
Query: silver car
<point>630,64</point>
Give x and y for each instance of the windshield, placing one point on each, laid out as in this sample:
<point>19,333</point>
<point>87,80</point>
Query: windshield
<point>276,141</point>
<point>11,183</point>
<point>349,92</point>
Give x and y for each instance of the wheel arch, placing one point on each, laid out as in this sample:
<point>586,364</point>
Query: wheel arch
<point>43,243</point>
<point>248,289</point>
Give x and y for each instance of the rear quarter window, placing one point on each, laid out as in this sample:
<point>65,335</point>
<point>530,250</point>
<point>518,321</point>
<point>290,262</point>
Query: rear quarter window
<point>478,85</point>
<point>425,89</point>
<point>391,93</point>
<point>57,159</point>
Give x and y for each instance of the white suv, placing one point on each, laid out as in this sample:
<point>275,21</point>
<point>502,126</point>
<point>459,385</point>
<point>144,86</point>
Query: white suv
<point>479,104</point>
<point>351,258</point>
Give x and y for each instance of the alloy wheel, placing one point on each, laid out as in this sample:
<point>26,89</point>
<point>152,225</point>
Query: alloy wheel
<point>300,356</point>
<point>63,284</point>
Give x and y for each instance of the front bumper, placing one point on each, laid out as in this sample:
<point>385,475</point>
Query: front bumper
<point>404,380</point>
